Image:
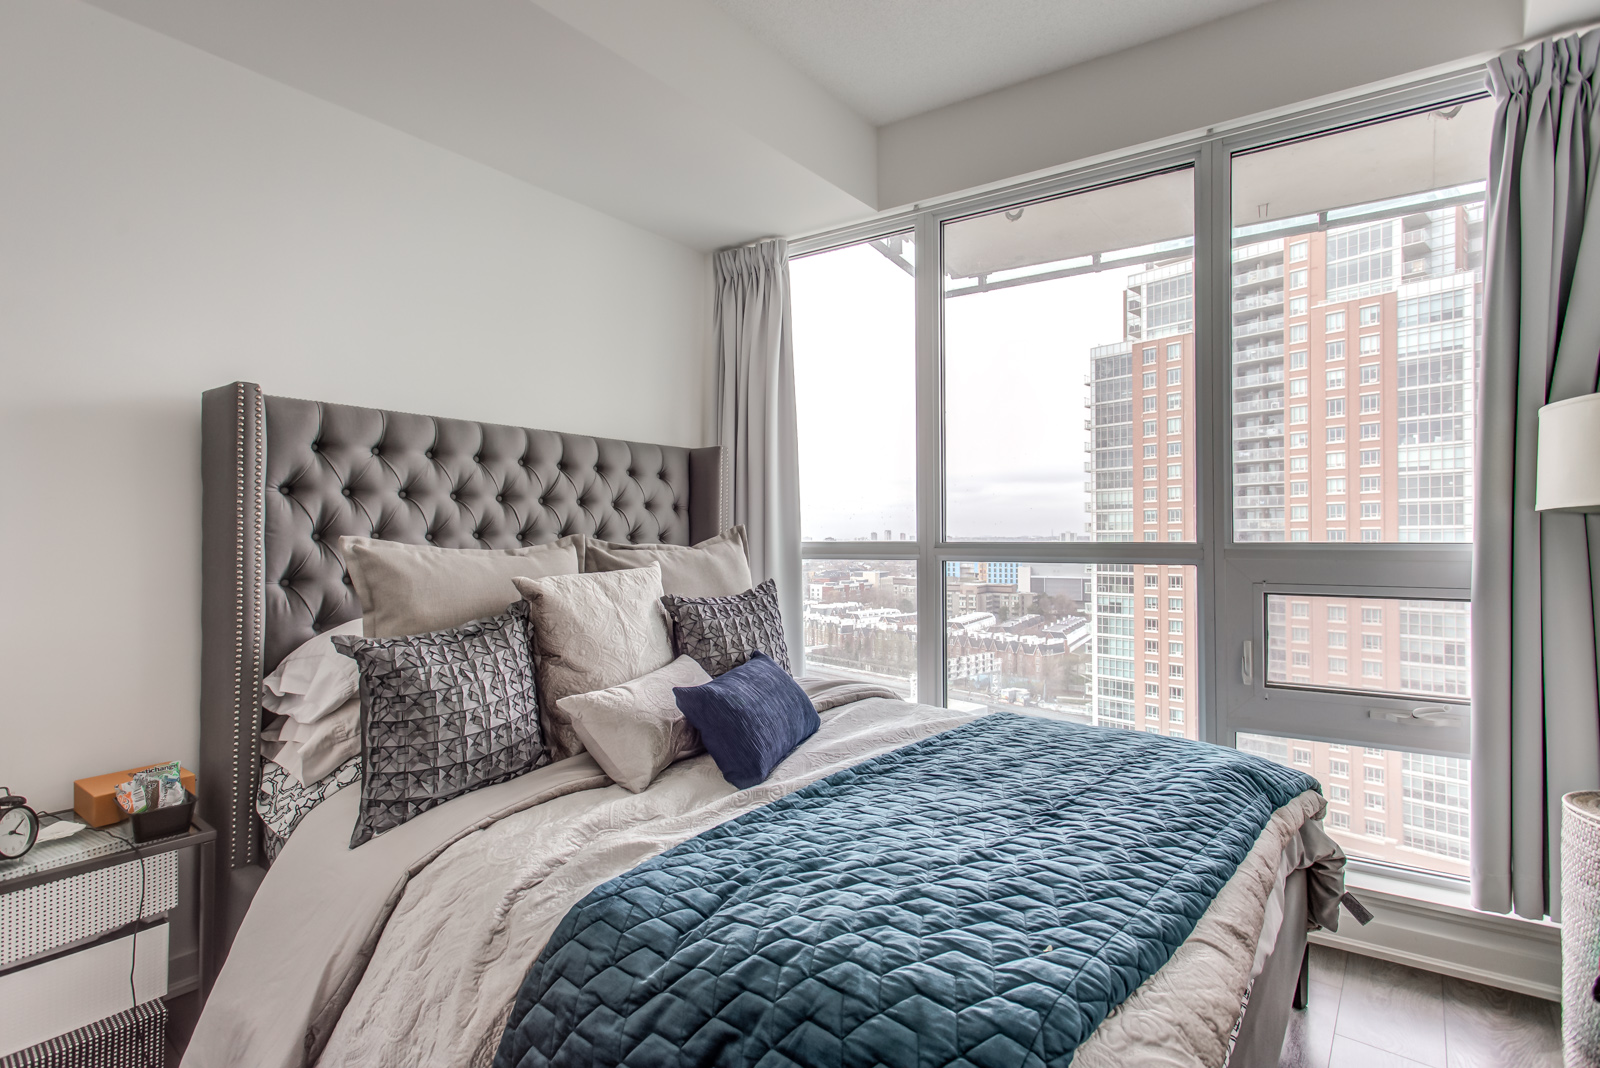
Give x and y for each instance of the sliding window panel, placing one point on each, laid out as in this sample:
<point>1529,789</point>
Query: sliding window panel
<point>1356,312</point>
<point>1069,364</point>
<point>861,622</point>
<point>854,317</point>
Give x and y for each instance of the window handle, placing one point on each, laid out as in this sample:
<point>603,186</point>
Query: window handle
<point>1428,715</point>
<point>1246,668</point>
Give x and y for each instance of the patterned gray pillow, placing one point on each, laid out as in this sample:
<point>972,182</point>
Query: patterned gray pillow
<point>443,714</point>
<point>723,632</point>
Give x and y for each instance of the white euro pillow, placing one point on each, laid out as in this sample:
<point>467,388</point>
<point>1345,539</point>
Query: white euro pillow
<point>634,731</point>
<point>314,680</point>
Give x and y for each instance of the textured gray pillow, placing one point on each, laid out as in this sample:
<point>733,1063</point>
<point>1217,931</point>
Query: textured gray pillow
<point>592,632</point>
<point>443,714</point>
<point>723,632</point>
<point>635,731</point>
<point>415,589</point>
<point>716,567</point>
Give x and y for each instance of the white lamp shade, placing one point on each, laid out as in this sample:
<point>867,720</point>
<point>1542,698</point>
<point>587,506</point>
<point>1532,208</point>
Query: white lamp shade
<point>1569,456</point>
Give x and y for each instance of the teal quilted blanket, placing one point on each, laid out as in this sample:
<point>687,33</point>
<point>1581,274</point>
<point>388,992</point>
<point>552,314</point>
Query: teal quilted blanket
<point>983,897</point>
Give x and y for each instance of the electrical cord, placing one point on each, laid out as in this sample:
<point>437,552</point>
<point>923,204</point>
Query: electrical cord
<point>138,919</point>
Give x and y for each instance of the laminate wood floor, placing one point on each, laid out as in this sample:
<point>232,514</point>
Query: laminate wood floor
<point>1367,1013</point>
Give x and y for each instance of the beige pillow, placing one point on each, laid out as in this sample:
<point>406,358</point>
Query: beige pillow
<point>716,567</point>
<point>414,589</point>
<point>635,731</point>
<point>592,632</point>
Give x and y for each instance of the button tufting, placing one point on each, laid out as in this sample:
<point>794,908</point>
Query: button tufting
<point>283,582</point>
<point>429,535</point>
<point>347,579</point>
<point>315,536</point>
<point>286,489</point>
<point>346,491</point>
<point>523,536</point>
<point>402,495</point>
<point>478,534</point>
<point>498,497</point>
<point>455,496</point>
<point>316,446</point>
<point>477,457</point>
<point>428,454</point>
<point>377,450</point>
<point>375,534</point>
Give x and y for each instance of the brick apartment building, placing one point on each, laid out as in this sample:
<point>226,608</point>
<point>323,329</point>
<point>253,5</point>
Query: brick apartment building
<point>1350,413</point>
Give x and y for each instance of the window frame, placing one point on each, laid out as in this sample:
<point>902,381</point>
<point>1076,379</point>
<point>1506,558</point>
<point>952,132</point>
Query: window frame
<point>1230,577</point>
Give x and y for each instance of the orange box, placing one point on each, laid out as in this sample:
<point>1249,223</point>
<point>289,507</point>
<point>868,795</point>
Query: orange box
<point>95,799</point>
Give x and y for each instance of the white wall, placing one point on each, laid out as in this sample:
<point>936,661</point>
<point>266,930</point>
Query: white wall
<point>1267,57</point>
<point>171,222</point>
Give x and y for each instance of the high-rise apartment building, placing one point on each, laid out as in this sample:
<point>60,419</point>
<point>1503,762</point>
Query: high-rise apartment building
<point>1350,417</point>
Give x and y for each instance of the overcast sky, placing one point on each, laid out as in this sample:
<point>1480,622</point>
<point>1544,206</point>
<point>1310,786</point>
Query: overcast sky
<point>1015,364</point>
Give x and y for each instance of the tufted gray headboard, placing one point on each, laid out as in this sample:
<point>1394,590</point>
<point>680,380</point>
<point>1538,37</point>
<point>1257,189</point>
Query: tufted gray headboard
<point>283,480</point>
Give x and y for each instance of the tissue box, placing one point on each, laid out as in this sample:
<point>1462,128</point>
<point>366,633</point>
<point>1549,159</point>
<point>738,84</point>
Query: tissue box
<point>95,799</point>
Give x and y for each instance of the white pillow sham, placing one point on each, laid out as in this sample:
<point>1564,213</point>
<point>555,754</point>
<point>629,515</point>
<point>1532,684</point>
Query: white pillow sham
<point>309,751</point>
<point>314,680</point>
<point>634,731</point>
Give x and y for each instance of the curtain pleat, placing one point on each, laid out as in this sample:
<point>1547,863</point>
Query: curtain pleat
<point>1536,728</point>
<point>756,418</point>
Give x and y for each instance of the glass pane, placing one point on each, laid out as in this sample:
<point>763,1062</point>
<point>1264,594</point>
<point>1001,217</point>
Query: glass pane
<point>1018,636</point>
<point>1074,311</point>
<point>1108,644</point>
<point>1388,645</point>
<point>1385,804</point>
<point>861,622</point>
<point>1357,308</point>
<point>854,318</point>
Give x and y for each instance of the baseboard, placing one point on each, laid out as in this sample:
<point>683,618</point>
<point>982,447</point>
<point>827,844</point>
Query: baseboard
<point>1500,951</point>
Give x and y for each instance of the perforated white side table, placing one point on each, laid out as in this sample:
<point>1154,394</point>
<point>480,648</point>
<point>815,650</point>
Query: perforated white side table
<point>75,895</point>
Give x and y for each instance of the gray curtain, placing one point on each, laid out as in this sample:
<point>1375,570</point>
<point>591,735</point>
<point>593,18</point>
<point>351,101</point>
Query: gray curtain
<point>756,418</point>
<point>1536,729</point>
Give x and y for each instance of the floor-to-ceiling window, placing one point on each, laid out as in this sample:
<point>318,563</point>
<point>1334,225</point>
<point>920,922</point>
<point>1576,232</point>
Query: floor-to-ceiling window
<point>1180,444</point>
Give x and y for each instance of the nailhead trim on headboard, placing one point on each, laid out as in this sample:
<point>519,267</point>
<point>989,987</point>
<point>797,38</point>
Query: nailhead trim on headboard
<point>271,523</point>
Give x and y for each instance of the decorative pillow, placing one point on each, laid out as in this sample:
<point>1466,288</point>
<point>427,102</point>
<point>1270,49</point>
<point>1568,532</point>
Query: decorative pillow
<point>723,632</point>
<point>308,751</point>
<point>749,718</point>
<point>314,679</point>
<point>417,589</point>
<point>716,567</point>
<point>593,632</point>
<point>635,731</point>
<point>282,802</point>
<point>443,714</point>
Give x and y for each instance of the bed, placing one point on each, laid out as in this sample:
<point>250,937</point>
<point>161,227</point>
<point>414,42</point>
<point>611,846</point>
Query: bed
<point>468,932</point>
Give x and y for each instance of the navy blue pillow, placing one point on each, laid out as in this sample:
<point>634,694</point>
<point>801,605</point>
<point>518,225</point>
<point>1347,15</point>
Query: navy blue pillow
<point>749,718</point>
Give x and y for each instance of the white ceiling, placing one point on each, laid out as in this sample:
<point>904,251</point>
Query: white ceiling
<point>889,59</point>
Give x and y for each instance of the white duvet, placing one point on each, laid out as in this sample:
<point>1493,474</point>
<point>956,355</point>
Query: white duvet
<point>410,949</point>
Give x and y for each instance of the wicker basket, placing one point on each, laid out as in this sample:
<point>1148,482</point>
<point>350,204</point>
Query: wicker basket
<point>1580,926</point>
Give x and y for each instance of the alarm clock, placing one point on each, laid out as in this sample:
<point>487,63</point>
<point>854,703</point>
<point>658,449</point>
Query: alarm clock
<point>19,825</point>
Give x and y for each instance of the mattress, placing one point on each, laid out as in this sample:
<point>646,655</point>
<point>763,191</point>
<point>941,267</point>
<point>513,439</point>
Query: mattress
<point>411,948</point>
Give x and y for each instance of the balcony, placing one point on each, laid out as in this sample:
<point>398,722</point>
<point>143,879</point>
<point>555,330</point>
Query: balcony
<point>1263,274</point>
<point>1257,524</point>
<point>1258,500</point>
<point>1269,325</point>
<point>1269,404</point>
<point>1270,299</point>
<point>1258,478</point>
<point>1246,433</point>
<point>1258,352</point>
<point>1264,378</point>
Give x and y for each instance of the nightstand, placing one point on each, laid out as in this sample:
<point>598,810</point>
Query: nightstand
<point>84,926</point>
